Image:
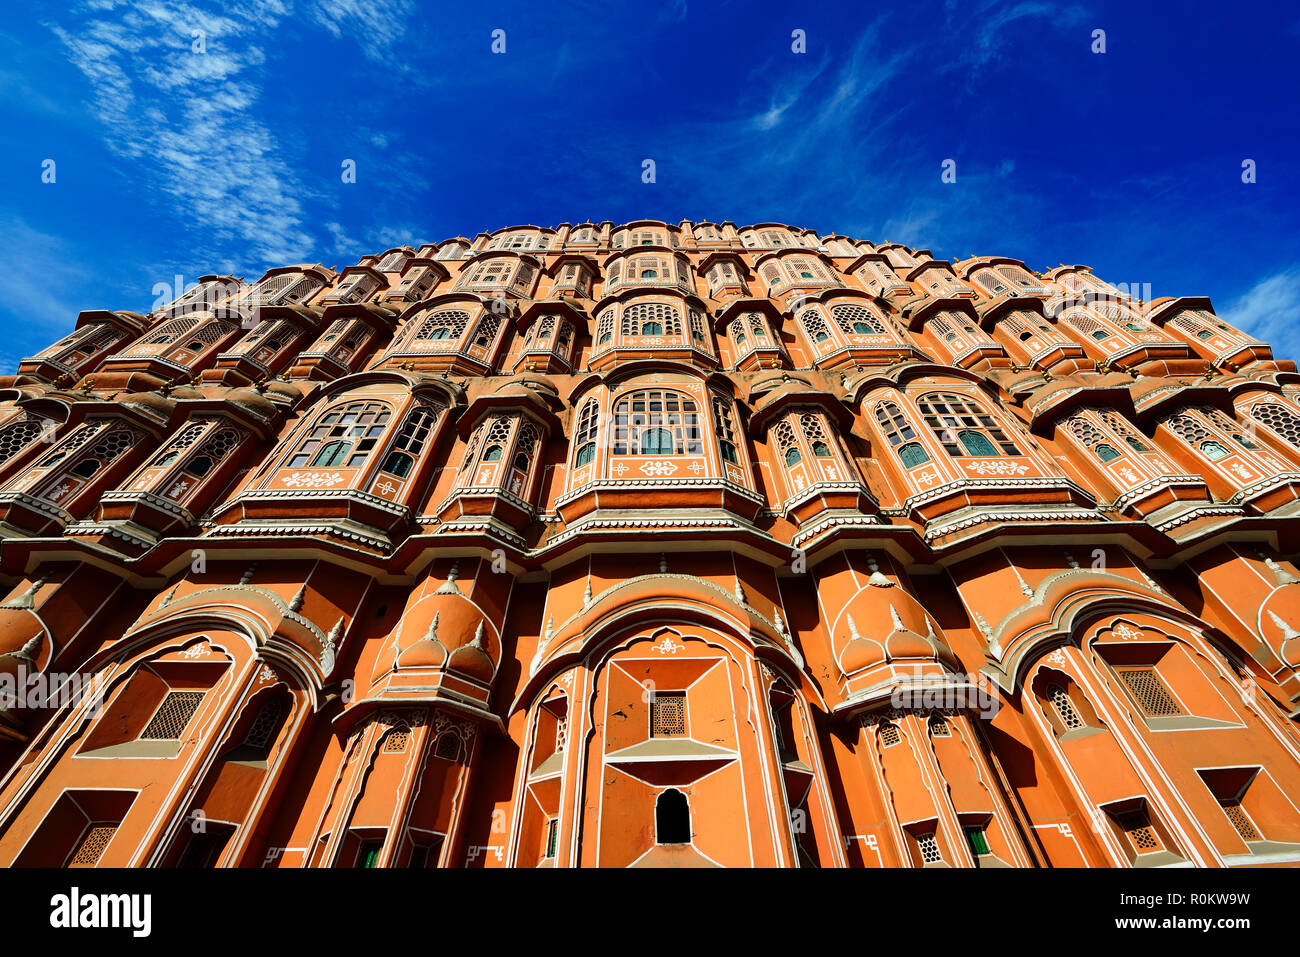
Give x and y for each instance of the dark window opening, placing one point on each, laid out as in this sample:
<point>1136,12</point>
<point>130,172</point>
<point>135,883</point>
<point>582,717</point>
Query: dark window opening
<point>672,818</point>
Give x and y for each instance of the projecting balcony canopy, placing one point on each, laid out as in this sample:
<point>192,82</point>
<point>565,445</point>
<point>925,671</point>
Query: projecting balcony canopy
<point>1154,397</point>
<point>1049,399</point>
<point>651,370</point>
<point>747,304</point>
<point>536,396</point>
<point>900,373</point>
<point>769,397</point>
<point>732,256</point>
<point>562,308</point>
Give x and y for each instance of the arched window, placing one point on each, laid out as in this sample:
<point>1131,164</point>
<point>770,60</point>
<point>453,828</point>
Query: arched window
<point>651,319</point>
<point>1121,427</point>
<point>1088,326</point>
<point>411,439</point>
<point>855,320</point>
<point>605,327</point>
<point>672,818</point>
<point>893,423</point>
<point>697,326</point>
<point>963,426</point>
<point>726,433</point>
<point>814,325</point>
<point>1192,431</point>
<point>1282,421</point>
<point>814,435</point>
<point>1106,452</point>
<point>1092,438</point>
<point>447,747</point>
<point>1065,710</point>
<point>943,329</point>
<point>210,452</point>
<point>343,436</point>
<point>18,434</point>
<point>913,454</point>
<point>584,438</point>
<point>657,422</point>
<point>443,324</point>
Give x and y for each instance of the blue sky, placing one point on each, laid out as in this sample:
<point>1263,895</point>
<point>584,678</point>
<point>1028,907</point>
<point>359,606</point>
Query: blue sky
<point>175,162</point>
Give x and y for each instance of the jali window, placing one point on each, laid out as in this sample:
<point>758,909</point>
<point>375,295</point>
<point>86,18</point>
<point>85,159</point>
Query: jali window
<point>655,422</point>
<point>343,437</point>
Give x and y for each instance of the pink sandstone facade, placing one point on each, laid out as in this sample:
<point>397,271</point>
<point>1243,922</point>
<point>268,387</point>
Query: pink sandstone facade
<point>651,545</point>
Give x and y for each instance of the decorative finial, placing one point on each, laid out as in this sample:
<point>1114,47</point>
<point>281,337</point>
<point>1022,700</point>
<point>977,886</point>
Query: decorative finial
<point>853,629</point>
<point>877,579</point>
<point>30,650</point>
<point>1287,631</point>
<point>330,646</point>
<point>994,648</point>
<point>248,574</point>
<point>170,596</point>
<point>295,602</point>
<point>1071,560</point>
<point>893,617</point>
<point>663,564</point>
<point>586,594</point>
<point>542,645</point>
<point>1024,585</point>
<point>739,592</point>
<point>1282,576</point>
<point>28,598</point>
<point>780,625</point>
<point>449,587</point>
<point>477,641</point>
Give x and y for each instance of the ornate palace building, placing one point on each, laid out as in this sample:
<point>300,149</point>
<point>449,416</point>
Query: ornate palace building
<point>655,544</point>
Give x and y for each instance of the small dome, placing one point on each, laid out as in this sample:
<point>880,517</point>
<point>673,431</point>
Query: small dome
<point>861,653</point>
<point>152,403</point>
<point>253,400</point>
<point>442,629</point>
<point>908,644</point>
<point>903,628</point>
<point>472,660</point>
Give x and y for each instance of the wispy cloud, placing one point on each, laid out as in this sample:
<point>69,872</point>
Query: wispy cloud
<point>36,292</point>
<point>1268,311</point>
<point>176,88</point>
<point>375,25</point>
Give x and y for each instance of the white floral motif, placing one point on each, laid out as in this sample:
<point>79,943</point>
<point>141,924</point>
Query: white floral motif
<point>1127,633</point>
<point>667,646</point>
<point>659,467</point>
<point>265,675</point>
<point>200,650</point>
<point>312,479</point>
<point>984,467</point>
<point>388,488</point>
<point>1236,468</point>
